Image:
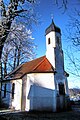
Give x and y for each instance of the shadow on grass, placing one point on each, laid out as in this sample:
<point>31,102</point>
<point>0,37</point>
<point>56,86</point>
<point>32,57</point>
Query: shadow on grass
<point>36,115</point>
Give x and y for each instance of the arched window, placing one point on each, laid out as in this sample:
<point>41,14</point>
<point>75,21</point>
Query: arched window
<point>13,89</point>
<point>5,90</point>
<point>49,41</point>
<point>61,89</point>
<point>58,40</point>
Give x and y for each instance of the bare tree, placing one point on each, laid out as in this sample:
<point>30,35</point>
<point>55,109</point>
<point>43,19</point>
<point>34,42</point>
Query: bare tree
<point>61,4</point>
<point>73,37</point>
<point>74,28</point>
<point>18,48</point>
<point>73,64</point>
<point>8,12</point>
<point>5,56</point>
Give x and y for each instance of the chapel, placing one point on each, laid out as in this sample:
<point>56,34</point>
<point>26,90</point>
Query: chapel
<point>40,84</point>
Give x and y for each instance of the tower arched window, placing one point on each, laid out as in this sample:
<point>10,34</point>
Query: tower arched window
<point>13,89</point>
<point>61,89</point>
<point>49,41</point>
<point>58,41</point>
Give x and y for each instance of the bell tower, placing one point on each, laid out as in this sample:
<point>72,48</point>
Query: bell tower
<point>53,45</point>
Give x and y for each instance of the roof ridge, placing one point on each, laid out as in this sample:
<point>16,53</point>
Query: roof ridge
<point>33,60</point>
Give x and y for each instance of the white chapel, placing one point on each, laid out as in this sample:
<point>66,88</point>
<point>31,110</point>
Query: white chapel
<point>40,84</point>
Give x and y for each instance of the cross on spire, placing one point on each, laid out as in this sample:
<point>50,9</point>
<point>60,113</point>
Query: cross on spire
<point>52,17</point>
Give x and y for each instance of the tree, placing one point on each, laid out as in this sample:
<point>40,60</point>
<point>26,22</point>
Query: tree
<point>14,9</point>
<point>74,25</point>
<point>18,48</point>
<point>73,38</point>
<point>62,4</point>
<point>8,12</point>
<point>5,55</point>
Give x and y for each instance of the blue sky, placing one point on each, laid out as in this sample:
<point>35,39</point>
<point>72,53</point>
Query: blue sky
<point>45,10</point>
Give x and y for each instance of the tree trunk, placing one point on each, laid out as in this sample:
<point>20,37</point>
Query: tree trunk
<point>18,57</point>
<point>0,79</point>
<point>1,47</point>
<point>3,38</point>
<point>14,65</point>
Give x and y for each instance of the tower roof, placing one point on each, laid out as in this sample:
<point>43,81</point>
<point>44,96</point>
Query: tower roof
<point>52,27</point>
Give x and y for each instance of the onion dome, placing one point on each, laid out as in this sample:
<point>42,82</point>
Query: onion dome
<point>52,27</point>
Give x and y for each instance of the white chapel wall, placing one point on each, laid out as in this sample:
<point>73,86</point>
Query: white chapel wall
<point>50,52</point>
<point>8,100</point>
<point>16,102</point>
<point>41,92</point>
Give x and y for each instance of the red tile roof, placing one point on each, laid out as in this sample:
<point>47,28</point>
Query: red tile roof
<point>39,65</point>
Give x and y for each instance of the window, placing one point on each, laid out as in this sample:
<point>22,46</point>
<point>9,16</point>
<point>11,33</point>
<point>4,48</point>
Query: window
<point>4,90</point>
<point>61,89</point>
<point>48,40</point>
<point>58,41</point>
<point>13,89</point>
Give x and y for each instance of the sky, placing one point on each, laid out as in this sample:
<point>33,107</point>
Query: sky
<point>46,10</point>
